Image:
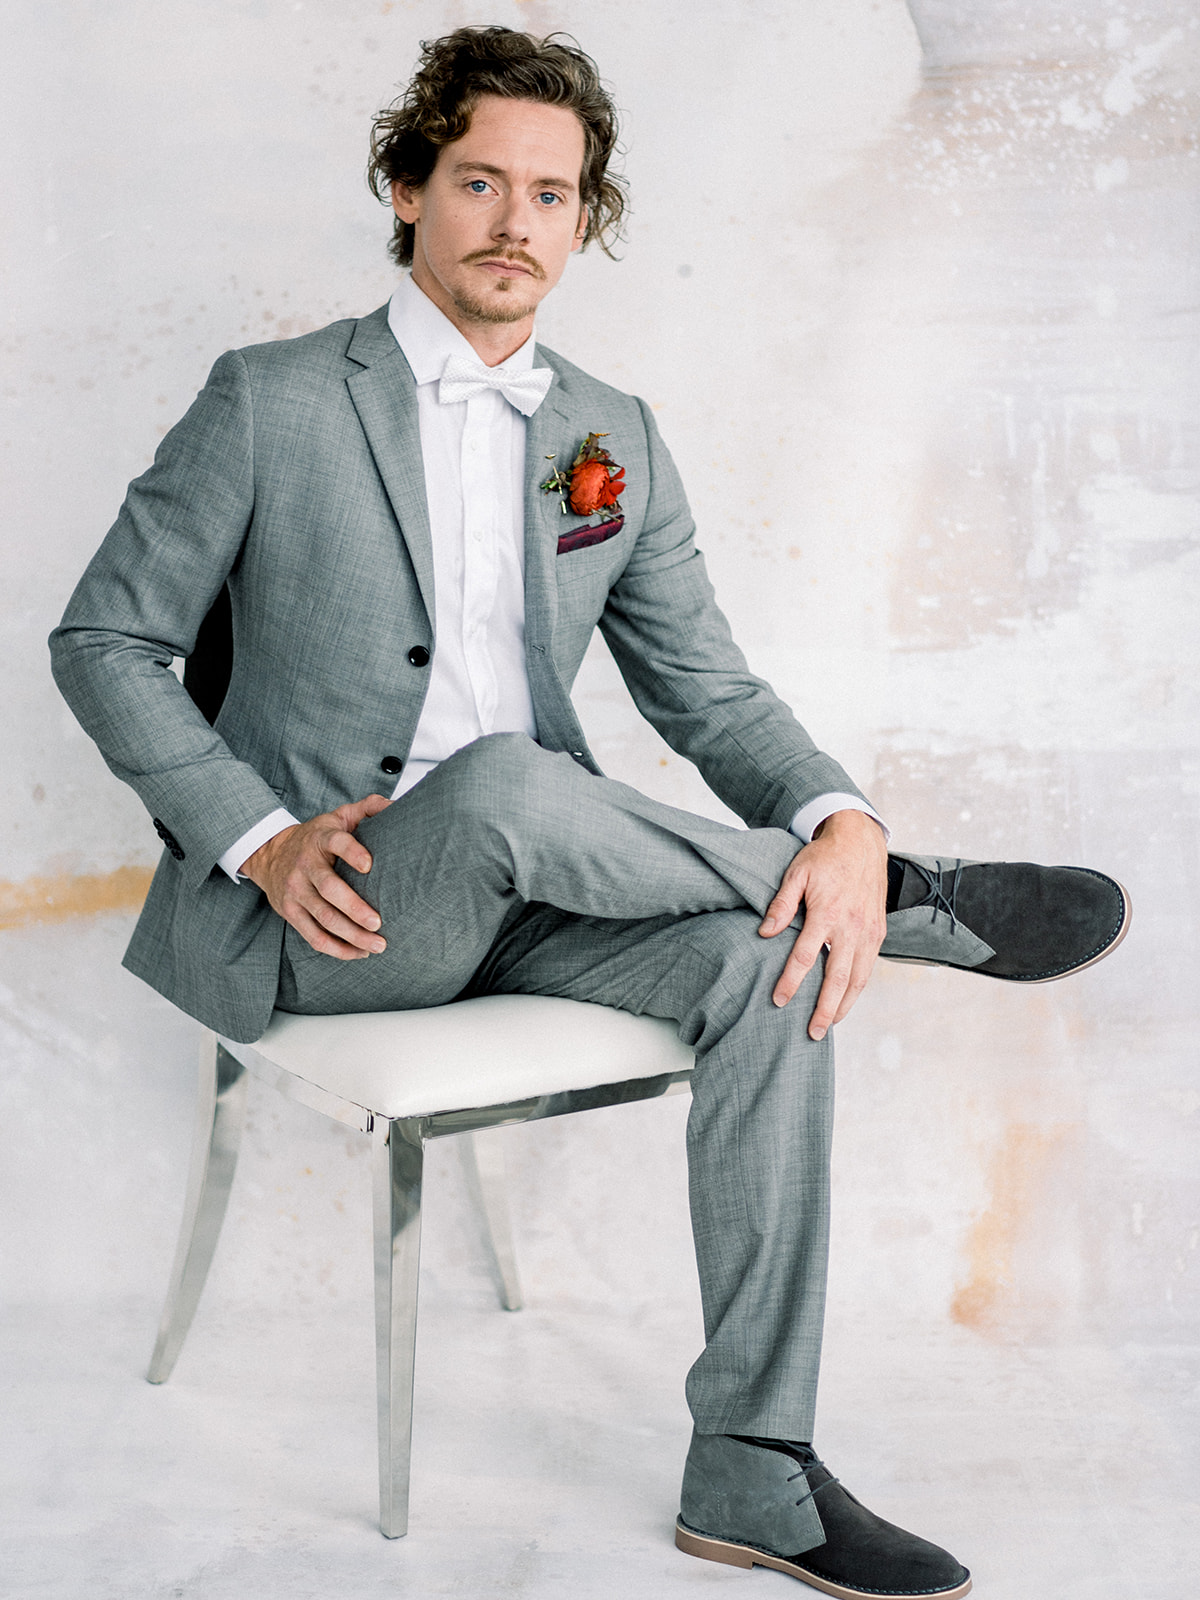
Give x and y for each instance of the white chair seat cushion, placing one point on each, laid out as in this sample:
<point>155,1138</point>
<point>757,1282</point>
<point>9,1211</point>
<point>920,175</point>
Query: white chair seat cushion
<point>482,1052</point>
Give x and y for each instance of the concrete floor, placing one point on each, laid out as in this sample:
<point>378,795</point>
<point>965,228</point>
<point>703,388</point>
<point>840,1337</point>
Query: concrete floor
<point>546,1460</point>
<point>548,1443</point>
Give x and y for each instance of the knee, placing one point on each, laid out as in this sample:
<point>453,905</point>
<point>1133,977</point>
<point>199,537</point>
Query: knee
<point>494,761</point>
<point>747,967</point>
<point>468,801</point>
<point>736,972</point>
<point>488,782</point>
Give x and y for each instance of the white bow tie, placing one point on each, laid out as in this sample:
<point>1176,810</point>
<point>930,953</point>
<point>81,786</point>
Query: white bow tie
<point>465,377</point>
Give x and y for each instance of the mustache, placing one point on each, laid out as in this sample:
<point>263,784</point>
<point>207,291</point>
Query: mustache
<point>519,256</point>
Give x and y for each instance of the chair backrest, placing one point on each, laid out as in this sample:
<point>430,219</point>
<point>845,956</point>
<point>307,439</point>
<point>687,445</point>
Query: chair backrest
<point>207,671</point>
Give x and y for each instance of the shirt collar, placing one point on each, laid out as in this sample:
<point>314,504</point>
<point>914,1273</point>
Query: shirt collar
<point>428,337</point>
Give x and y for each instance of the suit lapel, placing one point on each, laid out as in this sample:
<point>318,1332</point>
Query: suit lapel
<point>385,398</point>
<point>548,433</point>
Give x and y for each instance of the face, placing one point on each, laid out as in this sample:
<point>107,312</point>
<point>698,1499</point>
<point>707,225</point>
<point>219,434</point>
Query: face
<point>499,214</point>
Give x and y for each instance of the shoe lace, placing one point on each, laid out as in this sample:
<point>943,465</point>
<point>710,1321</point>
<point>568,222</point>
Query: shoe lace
<point>935,891</point>
<point>797,1452</point>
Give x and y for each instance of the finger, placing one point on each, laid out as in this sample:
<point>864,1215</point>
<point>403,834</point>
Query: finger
<point>864,965</point>
<point>311,931</point>
<point>353,812</point>
<point>838,967</point>
<point>348,849</point>
<point>783,907</point>
<point>320,906</point>
<point>331,890</point>
<point>804,953</point>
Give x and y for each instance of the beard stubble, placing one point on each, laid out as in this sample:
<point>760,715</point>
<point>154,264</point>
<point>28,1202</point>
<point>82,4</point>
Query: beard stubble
<point>489,311</point>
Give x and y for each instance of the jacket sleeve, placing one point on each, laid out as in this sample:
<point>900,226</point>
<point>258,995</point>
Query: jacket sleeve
<point>140,603</point>
<point>689,679</point>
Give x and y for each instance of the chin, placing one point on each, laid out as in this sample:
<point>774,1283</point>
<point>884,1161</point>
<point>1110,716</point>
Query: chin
<point>502,305</point>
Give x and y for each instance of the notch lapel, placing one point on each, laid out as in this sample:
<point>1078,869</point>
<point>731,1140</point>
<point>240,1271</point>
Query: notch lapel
<point>548,432</point>
<point>384,396</point>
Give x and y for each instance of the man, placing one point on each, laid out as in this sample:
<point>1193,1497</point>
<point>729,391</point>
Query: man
<point>383,504</point>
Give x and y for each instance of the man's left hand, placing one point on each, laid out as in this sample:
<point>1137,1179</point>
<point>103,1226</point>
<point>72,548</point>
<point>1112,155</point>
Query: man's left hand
<point>841,879</point>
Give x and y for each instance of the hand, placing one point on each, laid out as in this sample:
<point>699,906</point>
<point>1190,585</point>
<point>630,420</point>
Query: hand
<point>842,879</point>
<point>295,871</point>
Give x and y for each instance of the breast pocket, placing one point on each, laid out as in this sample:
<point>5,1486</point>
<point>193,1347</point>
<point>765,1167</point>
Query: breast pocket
<point>595,566</point>
<point>589,535</point>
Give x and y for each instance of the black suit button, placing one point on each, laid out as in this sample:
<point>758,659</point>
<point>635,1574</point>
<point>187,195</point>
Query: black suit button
<point>391,765</point>
<point>168,838</point>
<point>419,656</point>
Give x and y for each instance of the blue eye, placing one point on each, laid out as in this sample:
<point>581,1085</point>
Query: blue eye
<point>477,186</point>
<point>548,195</point>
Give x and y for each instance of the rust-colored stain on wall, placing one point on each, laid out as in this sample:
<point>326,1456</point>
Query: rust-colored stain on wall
<point>1016,1180</point>
<point>72,895</point>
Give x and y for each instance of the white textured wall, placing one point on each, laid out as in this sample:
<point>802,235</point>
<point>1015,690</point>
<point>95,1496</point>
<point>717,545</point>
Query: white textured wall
<point>924,344</point>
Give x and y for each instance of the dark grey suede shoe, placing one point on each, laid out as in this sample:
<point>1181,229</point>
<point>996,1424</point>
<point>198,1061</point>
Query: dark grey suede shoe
<point>742,1498</point>
<point>1005,919</point>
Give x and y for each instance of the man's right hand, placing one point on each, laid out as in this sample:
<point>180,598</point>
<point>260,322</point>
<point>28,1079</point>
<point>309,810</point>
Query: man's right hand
<point>295,871</point>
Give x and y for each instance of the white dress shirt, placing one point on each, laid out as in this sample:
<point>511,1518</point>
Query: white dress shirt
<point>474,458</point>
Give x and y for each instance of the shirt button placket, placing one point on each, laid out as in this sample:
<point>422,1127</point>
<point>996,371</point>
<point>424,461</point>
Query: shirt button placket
<point>480,409</point>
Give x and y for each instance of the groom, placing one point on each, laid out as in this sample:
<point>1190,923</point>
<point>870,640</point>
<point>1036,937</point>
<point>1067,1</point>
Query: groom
<point>412,523</point>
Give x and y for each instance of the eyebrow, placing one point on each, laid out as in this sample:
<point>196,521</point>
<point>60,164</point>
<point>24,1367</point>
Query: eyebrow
<point>499,172</point>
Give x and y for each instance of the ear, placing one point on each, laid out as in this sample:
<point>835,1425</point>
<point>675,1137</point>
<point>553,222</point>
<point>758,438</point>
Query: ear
<point>584,218</point>
<point>406,202</point>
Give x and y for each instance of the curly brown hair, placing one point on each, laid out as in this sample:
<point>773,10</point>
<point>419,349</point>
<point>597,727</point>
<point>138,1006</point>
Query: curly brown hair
<point>436,108</point>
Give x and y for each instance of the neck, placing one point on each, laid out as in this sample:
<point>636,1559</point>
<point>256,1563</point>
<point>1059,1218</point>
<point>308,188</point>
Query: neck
<point>492,342</point>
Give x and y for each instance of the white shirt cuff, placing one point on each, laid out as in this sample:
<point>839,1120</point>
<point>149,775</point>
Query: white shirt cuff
<point>810,817</point>
<point>250,842</point>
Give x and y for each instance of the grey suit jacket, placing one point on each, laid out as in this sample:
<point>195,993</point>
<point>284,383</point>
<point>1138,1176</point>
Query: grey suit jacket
<point>297,477</point>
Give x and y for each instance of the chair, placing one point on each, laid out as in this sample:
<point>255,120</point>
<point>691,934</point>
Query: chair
<point>404,1077</point>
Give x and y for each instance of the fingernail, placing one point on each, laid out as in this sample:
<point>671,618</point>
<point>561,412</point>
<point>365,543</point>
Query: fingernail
<point>816,1033</point>
<point>775,1000</point>
<point>768,925</point>
<point>373,923</point>
<point>378,945</point>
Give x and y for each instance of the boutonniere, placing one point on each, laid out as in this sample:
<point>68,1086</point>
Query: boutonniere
<point>593,482</point>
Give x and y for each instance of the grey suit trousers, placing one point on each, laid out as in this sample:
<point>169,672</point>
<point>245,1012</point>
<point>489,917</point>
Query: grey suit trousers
<point>513,870</point>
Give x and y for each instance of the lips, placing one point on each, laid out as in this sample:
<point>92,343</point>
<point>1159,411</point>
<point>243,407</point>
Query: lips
<point>507,266</point>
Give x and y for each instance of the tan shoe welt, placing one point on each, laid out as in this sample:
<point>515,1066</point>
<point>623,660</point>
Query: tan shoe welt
<point>746,1555</point>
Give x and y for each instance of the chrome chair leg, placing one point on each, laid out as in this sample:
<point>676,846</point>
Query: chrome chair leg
<point>398,1158</point>
<point>486,1172</point>
<point>220,1112</point>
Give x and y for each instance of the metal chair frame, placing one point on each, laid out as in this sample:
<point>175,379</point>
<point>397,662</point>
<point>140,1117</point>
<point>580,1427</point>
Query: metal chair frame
<point>398,1146</point>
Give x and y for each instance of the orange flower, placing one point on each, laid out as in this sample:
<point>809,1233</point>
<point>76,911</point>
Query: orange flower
<point>593,482</point>
<point>593,489</point>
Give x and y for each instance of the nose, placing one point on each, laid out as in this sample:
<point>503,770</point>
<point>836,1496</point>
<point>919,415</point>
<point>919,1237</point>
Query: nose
<point>510,221</point>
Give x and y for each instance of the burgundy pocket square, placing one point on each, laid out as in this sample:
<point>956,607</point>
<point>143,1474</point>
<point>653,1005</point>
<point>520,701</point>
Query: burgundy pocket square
<point>594,533</point>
